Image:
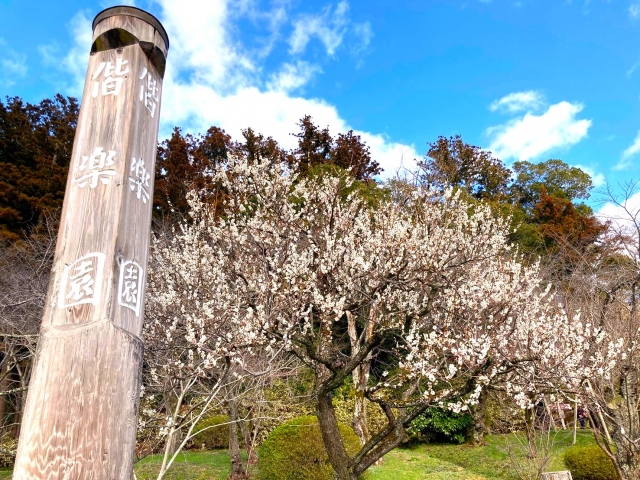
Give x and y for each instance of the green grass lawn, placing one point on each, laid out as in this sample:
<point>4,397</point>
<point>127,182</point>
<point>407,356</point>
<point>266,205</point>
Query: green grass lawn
<point>463,462</point>
<point>420,462</point>
<point>188,466</point>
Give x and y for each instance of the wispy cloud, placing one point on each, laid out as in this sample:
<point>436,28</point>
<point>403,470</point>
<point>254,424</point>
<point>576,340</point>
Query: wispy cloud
<point>330,26</point>
<point>518,102</point>
<point>633,68</point>
<point>626,159</point>
<point>292,76</point>
<point>634,11</point>
<point>13,65</point>
<point>72,64</point>
<point>529,136</point>
<point>363,33</point>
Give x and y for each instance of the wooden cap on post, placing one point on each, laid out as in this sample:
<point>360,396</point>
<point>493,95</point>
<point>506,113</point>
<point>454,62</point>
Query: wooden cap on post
<point>109,34</point>
<point>133,12</point>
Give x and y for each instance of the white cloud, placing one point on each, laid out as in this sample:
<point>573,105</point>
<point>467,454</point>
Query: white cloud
<point>270,22</point>
<point>330,27</point>
<point>218,82</point>
<point>109,3</point>
<point>532,135</point>
<point>74,63</point>
<point>13,65</point>
<point>273,113</point>
<point>212,78</point>
<point>598,179</point>
<point>292,76</point>
<point>210,57</point>
<point>634,11</point>
<point>627,156</point>
<point>620,215</point>
<point>518,102</point>
<point>364,33</point>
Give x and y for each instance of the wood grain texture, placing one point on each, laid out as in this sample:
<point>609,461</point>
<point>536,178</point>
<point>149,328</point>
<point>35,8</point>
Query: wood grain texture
<point>81,412</point>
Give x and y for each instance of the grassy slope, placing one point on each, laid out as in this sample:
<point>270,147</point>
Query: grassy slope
<point>444,462</point>
<point>421,462</point>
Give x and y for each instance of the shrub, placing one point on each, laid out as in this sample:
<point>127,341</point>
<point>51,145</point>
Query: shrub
<point>8,447</point>
<point>589,463</point>
<point>441,425</point>
<point>294,450</point>
<point>214,434</point>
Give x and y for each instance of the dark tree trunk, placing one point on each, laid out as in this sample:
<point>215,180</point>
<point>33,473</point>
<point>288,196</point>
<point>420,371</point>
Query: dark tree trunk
<point>249,447</point>
<point>338,456</point>
<point>237,468</point>
<point>19,399</point>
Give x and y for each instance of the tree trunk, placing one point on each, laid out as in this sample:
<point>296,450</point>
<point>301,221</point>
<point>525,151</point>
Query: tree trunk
<point>360,377</point>
<point>237,468</point>
<point>561,415</point>
<point>16,419</point>
<point>4,386</point>
<point>174,442</point>
<point>336,452</point>
<point>626,427</point>
<point>552,422</point>
<point>530,430</point>
<point>360,417</point>
<point>21,398</point>
<point>249,447</point>
<point>479,414</point>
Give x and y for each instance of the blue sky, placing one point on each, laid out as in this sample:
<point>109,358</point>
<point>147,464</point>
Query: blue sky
<point>529,80</point>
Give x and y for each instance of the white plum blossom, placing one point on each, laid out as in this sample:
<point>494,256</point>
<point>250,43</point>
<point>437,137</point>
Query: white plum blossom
<point>429,287</point>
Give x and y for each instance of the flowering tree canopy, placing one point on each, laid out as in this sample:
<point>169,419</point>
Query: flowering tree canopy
<point>425,296</point>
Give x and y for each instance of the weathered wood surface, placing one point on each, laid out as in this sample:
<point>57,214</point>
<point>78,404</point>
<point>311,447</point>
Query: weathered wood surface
<point>82,425</point>
<point>561,475</point>
<point>81,412</point>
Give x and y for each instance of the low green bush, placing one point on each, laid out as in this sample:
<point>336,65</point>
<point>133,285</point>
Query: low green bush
<point>214,433</point>
<point>294,451</point>
<point>589,463</point>
<point>441,425</point>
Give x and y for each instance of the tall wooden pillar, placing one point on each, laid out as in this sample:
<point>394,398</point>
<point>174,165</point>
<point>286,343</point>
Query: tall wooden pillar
<point>81,413</point>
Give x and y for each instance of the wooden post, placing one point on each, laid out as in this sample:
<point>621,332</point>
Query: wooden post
<point>81,413</point>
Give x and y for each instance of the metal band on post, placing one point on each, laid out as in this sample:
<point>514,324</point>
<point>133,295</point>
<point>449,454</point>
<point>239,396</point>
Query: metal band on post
<point>80,417</point>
